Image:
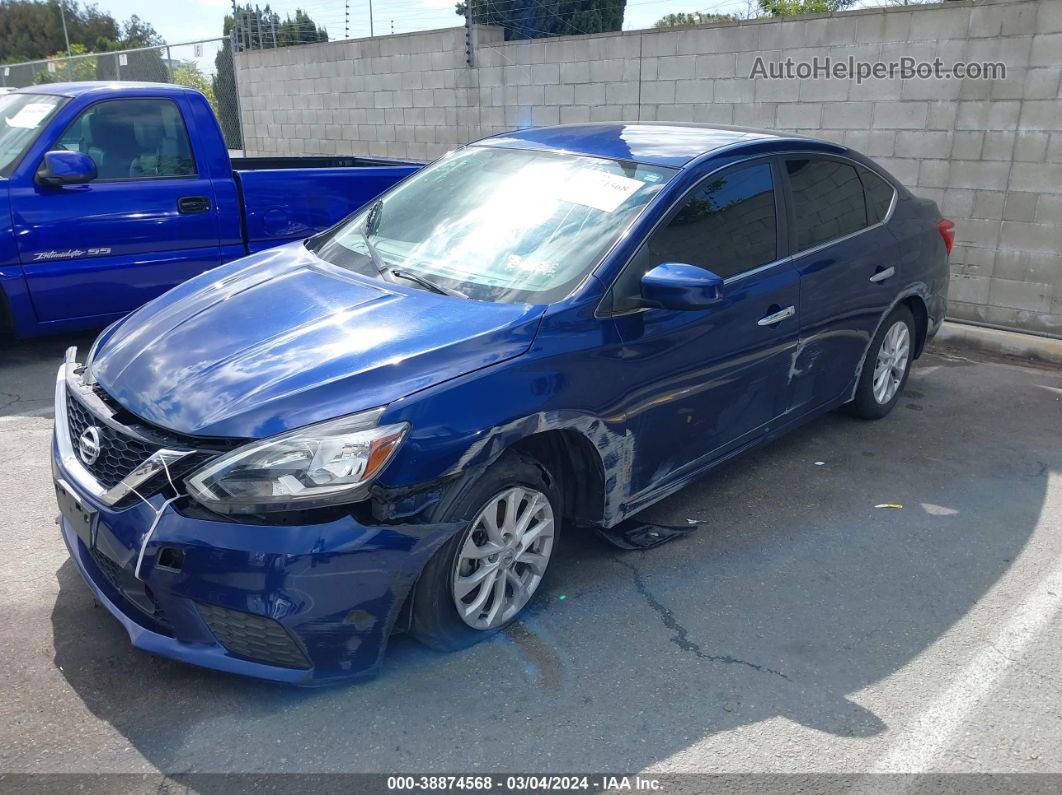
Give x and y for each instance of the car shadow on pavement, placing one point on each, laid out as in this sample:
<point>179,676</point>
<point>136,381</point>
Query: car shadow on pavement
<point>794,595</point>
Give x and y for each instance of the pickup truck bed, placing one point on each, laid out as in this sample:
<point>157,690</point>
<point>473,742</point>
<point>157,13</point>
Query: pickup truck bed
<point>289,198</point>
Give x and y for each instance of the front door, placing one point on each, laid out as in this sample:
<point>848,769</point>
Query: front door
<point>146,223</point>
<point>709,380</point>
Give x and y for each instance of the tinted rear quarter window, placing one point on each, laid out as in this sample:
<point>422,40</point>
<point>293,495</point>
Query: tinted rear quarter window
<point>828,200</point>
<point>879,195</point>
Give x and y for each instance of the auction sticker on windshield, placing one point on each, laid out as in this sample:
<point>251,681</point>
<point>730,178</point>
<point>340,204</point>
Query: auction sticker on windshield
<point>598,190</point>
<point>30,116</point>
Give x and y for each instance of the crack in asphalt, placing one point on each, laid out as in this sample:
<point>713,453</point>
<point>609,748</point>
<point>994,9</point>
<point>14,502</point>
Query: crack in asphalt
<point>13,398</point>
<point>681,637</point>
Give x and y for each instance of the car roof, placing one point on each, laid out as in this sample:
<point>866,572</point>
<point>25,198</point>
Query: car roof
<point>103,87</point>
<point>655,143</point>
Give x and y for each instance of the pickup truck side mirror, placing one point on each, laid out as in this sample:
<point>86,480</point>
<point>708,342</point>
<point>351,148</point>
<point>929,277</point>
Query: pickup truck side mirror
<point>675,285</point>
<point>61,167</point>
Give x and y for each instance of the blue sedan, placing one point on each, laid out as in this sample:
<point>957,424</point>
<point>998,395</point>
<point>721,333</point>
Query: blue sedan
<point>272,467</point>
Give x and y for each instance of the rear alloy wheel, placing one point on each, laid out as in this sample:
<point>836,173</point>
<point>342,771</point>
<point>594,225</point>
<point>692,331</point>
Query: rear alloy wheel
<point>485,575</point>
<point>504,557</point>
<point>890,369</point>
<point>886,367</point>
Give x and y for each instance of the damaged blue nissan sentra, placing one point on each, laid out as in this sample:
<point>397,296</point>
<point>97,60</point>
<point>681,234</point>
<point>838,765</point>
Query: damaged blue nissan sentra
<point>277,464</point>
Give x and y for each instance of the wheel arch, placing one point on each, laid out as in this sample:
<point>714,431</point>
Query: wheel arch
<point>573,461</point>
<point>917,304</point>
<point>577,448</point>
<point>915,299</point>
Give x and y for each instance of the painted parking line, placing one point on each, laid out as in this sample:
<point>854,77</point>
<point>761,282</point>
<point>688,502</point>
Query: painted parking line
<point>920,742</point>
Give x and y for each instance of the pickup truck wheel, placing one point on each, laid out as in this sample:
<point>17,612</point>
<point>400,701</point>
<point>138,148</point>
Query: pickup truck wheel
<point>886,367</point>
<point>484,576</point>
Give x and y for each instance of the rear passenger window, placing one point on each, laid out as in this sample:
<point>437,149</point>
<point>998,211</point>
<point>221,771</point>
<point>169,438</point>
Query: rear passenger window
<point>879,195</point>
<point>828,200</point>
<point>728,225</point>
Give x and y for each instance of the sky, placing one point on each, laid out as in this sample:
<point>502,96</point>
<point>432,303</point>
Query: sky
<point>188,20</point>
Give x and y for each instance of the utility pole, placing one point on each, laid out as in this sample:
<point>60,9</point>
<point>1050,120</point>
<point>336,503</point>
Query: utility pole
<point>62,16</point>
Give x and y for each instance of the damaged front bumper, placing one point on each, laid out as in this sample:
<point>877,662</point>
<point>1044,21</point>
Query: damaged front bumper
<point>304,604</point>
<point>300,603</point>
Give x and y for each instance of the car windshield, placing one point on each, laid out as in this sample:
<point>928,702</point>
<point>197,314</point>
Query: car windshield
<point>494,224</point>
<point>22,117</point>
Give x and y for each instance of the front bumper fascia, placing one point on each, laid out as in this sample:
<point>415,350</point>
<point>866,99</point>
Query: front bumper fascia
<point>336,587</point>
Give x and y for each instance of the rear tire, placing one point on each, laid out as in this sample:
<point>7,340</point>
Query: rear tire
<point>484,576</point>
<point>886,367</point>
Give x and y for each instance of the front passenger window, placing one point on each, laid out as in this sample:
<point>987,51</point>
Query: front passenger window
<point>132,138</point>
<point>727,225</point>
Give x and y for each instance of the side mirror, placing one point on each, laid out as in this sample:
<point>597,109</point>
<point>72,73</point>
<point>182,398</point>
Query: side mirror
<point>61,167</point>
<point>675,285</point>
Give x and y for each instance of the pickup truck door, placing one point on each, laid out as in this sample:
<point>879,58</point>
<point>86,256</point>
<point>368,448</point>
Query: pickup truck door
<point>708,381</point>
<point>146,223</point>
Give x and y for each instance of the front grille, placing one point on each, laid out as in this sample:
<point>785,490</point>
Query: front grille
<point>255,637</point>
<point>119,452</point>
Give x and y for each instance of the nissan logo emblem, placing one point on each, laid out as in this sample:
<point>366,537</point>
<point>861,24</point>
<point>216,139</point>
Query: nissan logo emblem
<point>89,445</point>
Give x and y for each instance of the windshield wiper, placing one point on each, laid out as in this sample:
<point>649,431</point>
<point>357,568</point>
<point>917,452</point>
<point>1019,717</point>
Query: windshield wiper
<point>368,227</point>
<point>427,283</point>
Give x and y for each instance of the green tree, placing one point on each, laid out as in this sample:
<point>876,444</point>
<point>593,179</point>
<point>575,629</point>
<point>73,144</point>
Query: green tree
<point>33,29</point>
<point>188,73</point>
<point>259,28</point>
<point>224,85</point>
<point>535,19</point>
<point>785,8</point>
<point>68,71</point>
<point>255,28</point>
<point>683,19</point>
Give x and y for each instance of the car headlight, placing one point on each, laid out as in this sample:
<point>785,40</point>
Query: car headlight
<point>324,464</point>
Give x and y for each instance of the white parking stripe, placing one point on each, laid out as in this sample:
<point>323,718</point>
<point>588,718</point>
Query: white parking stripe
<point>921,741</point>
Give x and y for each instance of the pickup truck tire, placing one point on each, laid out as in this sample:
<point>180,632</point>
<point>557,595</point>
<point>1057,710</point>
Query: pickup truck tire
<point>483,577</point>
<point>887,365</point>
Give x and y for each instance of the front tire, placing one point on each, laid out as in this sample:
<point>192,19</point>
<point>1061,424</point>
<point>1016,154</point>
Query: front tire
<point>484,576</point>
<point>886,367</point>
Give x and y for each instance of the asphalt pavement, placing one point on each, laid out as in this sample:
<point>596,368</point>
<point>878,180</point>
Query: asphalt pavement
<point>799,629</point>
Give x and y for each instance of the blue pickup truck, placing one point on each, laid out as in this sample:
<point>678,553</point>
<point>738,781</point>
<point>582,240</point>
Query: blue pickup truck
<point>112,193</point>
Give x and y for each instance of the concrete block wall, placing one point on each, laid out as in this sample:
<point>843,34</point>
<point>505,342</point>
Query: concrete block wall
<point>989,152</point>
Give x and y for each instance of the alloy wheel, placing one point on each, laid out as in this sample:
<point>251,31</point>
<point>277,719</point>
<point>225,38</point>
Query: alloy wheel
<point>504,557</point>
<point>892,362</point>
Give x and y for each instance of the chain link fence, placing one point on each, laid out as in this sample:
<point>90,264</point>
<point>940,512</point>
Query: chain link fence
<point>206,66</point>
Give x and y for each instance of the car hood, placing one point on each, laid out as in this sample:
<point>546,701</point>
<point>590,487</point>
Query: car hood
<point>282,339</point>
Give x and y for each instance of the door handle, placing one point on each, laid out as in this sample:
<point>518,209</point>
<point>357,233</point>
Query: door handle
<point>882,275</point>
<point>188,205</point>
<point>777,317</point>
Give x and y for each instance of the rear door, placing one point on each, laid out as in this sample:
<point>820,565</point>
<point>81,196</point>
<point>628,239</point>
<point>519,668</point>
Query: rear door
<point>145,224</point>
<point>847,260</point>
<point>708,381</point>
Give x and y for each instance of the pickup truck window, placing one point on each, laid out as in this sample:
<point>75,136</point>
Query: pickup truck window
<point>506,225</point>
<point>132,139</point>
<point>22,117</point>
